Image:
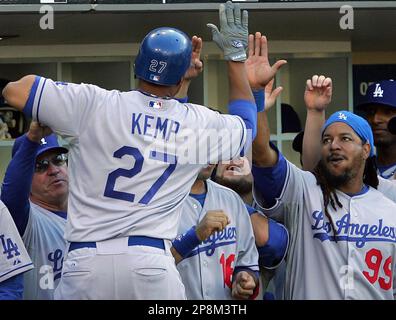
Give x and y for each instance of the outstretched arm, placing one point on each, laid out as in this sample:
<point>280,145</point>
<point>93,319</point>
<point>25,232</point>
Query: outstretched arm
<point>317,96</point>
<point>260,75</point>
<point>232,39</point>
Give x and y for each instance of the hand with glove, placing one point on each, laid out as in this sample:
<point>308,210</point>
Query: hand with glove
<point>232,38</point>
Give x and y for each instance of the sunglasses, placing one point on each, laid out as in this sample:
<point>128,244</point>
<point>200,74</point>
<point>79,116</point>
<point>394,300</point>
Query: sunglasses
<point>43,165</point>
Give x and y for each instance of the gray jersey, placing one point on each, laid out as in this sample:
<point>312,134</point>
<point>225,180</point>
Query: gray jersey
<point>14,258</point>
<point>387,187</point>
<point>360,265</point>
<point>133,157</point>
<point>45,243</point>
<point>207,271</point>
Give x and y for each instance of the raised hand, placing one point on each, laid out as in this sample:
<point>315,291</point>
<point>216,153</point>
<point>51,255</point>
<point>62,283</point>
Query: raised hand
<point>271,95</point>
<point>232,37</point>
<point>196,66</point>
<point>258,68</point>
<point>37,132</point>
<point>318,92</point>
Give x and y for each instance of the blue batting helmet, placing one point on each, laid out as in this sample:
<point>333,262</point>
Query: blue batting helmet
<point>164,56</point>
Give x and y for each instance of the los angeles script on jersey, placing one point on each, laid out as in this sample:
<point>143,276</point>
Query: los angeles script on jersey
<point>353,232</point>
<point>154,126</point>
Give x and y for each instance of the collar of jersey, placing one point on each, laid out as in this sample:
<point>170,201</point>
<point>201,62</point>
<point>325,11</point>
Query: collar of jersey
<point>387,171</point>
<point>364,190</point>
<point>153,95</point>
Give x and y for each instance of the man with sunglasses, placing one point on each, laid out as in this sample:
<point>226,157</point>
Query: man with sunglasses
<point>35,190</point>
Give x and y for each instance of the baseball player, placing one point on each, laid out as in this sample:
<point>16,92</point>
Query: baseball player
<point>379,106</point>
<point>35,190</point>
<point>128,171</point>
<point>342,229</point>
<point>317,97</point>
<point>14,260</point>
<point>271,238</point>
<point>220,265</point>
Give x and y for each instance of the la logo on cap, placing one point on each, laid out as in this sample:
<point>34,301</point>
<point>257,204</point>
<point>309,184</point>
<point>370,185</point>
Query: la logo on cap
<point>43,141</point>
<point>378,92</point>
<point>342,116</point>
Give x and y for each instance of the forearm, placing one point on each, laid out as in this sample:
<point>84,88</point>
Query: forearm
<point>263,154</point>
<point>239,88</point>
<point>17,183</point>
<point>312,140</point>
<point>17,93</point>
<point>183,91</point>
<point>184,244</point>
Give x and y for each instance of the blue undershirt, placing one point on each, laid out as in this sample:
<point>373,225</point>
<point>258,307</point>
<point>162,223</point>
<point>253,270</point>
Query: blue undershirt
<point>269,181</point>
<point>12,288</point>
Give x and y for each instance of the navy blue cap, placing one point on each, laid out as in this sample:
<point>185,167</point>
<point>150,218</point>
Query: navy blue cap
<point>47,143</point>
<point>383,92</point>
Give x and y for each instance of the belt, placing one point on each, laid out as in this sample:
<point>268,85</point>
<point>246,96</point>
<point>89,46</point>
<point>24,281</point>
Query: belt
<point>132,241</point>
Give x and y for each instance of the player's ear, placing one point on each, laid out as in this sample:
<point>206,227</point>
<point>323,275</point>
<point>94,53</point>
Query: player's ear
<point>366,150</point>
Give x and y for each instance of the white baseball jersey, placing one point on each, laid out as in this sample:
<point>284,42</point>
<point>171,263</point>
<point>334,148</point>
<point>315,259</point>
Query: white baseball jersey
<point>133,157</point>
<point>45,243</point>
<point>14,258</point>
<point>387,187</point>
<point>207,271</point>
<point>360,265</point>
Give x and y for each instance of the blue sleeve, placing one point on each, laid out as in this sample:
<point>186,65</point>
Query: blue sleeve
<point>12,288</point>
<point>269,181</point>
<point>259,98</point>
<point>182,100</point>
<point>247,110</point>
<point>27,110</point>
<point>17,183</point>
<point>250,209</point>
<point>274,250</point>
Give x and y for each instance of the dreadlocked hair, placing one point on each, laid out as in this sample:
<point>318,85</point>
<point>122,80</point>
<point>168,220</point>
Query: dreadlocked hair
<point>329,193</point>
<point>370,176</point>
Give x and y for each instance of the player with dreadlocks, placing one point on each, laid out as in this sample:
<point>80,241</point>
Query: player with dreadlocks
<point>342,230</point>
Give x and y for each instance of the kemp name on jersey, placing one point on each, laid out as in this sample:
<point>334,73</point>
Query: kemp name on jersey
<point>153,126</point>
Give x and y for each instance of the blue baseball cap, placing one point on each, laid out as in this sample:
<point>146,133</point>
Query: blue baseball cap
<point>357,123</point>
<point>383,93</point>
<point>47,143</point>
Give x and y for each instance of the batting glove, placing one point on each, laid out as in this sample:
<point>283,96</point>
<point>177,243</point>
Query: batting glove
<point>232,38</point>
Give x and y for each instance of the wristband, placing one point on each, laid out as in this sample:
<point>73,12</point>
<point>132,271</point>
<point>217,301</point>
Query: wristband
<point>259,98</point>
<point>186,243</point>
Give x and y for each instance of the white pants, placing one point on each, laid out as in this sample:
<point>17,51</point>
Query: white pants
<point>114,270</point>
